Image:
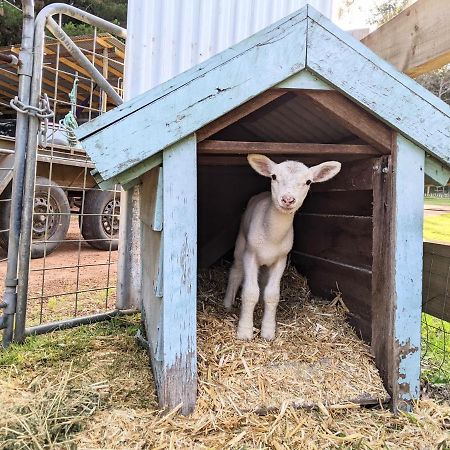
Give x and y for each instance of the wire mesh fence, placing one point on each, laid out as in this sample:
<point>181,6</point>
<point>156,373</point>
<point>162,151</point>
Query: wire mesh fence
<point>75,225</point>
<point>436,316</point>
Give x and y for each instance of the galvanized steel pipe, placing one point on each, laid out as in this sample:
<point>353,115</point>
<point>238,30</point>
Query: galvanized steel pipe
<point>30,171</point>
<point>25,73</point>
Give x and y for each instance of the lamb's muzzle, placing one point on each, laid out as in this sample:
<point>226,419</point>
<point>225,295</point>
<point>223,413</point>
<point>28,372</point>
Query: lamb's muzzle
<point>266,236</point>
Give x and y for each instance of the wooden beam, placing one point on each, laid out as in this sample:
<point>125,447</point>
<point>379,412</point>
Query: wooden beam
<point>408,166</point>
<point>178,320</point>
<point>436,273</point>
<point>417,40</point>
<point>377,87</point>
<point>236,114</point>
<point>382,305</point>
<point>212,147</point>
<point>352,117</point>
<point>436,171</point>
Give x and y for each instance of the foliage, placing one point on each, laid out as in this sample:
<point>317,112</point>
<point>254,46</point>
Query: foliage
<point>387,10</point>
<point>438,82</point>
<point>11,19</point>
<point>437,228</point>
<point>437,201</point>
<point>435,349</point>
<point>10,24</point>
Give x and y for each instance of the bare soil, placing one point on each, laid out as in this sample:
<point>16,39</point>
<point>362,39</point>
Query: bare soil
<point>74,280</point>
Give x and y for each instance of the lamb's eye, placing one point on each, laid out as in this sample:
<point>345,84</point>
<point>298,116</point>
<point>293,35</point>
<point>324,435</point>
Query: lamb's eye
<point>308,182</point>
<point>274,177</point>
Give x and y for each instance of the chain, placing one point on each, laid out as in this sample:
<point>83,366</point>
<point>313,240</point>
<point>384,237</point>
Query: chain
<point>43,113</point>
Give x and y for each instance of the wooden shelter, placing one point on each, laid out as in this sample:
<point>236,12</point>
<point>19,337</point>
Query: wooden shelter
<point>299,89</point>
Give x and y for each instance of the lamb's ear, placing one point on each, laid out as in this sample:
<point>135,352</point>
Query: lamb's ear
<point>324,171</point>
<point>262,164</point>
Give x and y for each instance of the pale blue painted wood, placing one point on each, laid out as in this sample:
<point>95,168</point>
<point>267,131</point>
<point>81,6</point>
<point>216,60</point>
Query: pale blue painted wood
<point>151,248</point>
<point>408,261</point>
<point>268,57</point>
<point>262,38</point>
<point>304,80</point>
<point>200,95</point>
<point>179,321</point>
<point>157,223</point>
<point>356,71</point>
<point>131,177</point>
<point>158,285</point>
<point>437,171</point>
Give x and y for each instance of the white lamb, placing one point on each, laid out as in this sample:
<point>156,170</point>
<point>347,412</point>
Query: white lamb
<point>266,236</point>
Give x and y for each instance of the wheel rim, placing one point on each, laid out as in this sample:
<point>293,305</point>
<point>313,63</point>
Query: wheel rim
<point>45,219</point>
<point>110,218</point>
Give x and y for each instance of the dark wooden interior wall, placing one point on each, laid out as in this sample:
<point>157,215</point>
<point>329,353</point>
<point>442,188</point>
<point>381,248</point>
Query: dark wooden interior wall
<point>333,229</point>
<point>333,240</point>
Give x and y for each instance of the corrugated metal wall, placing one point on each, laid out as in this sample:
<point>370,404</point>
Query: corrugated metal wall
<point>186,32</point>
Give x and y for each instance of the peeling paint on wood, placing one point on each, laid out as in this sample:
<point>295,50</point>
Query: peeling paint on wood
<point>179,325</point>
<point>356,71</point>
<point>408,193</point>
<point>168,113</point>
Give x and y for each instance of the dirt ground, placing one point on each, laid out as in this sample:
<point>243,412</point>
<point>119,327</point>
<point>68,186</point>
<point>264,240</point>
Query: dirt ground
<point>73,267</point>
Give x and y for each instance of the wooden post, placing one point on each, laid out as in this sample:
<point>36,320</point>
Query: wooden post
<point>397,271</point>
<point>170,248</point>
<point>409,164</point>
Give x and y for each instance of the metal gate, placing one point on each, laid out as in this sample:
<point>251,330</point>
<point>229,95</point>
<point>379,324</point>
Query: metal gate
<point>63,271</point>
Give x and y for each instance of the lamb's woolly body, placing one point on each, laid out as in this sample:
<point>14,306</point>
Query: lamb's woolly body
<point>266,237</point>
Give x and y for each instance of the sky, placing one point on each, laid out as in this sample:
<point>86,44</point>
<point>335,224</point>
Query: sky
<point>357,15</point>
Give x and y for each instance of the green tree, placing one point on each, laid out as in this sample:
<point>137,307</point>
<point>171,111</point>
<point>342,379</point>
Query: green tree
<point>11,19</point>
<point>385,11</point>
<point>438,81</point>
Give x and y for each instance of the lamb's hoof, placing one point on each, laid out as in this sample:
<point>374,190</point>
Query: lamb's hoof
<point>268,335</point>
<point>227,307</point>
<point>245,334</point>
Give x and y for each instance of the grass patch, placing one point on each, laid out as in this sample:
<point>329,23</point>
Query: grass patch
<point>437,228</point>
<point>63,345</point>
<point>437,201</point>
<point>435,350</point>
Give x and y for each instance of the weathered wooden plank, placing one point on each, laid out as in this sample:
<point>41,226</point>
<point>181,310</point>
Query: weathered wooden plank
<point>352,117</point>
<point>417,40</point>
<point>236,114</point>
<point>213,147</point>
<point>344,239</point>
<point>236,76</point>
<point>354,176</point>
<point>262,38</point>
<point>303,80</point>
<point>309,160</point>
<point>436,171</point>
<point>326,277</point>
<point>179,276</point>
<point>436,280</point>
<point>157,222</point>
<point>150,243</point>
<point>407,271</point>
<point>382,280</point>
<point>356,203</point>
<point>377,87</point>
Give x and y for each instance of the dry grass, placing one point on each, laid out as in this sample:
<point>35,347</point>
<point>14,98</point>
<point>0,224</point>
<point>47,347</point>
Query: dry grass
<point>100,394</point>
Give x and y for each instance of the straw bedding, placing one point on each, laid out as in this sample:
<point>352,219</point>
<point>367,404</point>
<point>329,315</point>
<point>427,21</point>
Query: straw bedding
<point>104,398</point>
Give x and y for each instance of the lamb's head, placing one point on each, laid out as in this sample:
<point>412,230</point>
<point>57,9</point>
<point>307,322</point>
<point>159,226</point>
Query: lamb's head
<point>291,180</point>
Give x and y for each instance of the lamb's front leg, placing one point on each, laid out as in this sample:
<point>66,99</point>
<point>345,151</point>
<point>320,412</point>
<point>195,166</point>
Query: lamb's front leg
<point>271,299</point>
<point>249,297</point>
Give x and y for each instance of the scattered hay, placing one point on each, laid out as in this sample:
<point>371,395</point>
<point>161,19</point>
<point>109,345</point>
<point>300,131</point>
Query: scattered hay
<point>47,412</point>
<point>107,394</point>
<point>315,359</point>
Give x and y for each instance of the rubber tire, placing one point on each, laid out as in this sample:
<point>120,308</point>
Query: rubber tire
<point>92,229</point>
<point>5,208</point>
<point>58,197</point>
